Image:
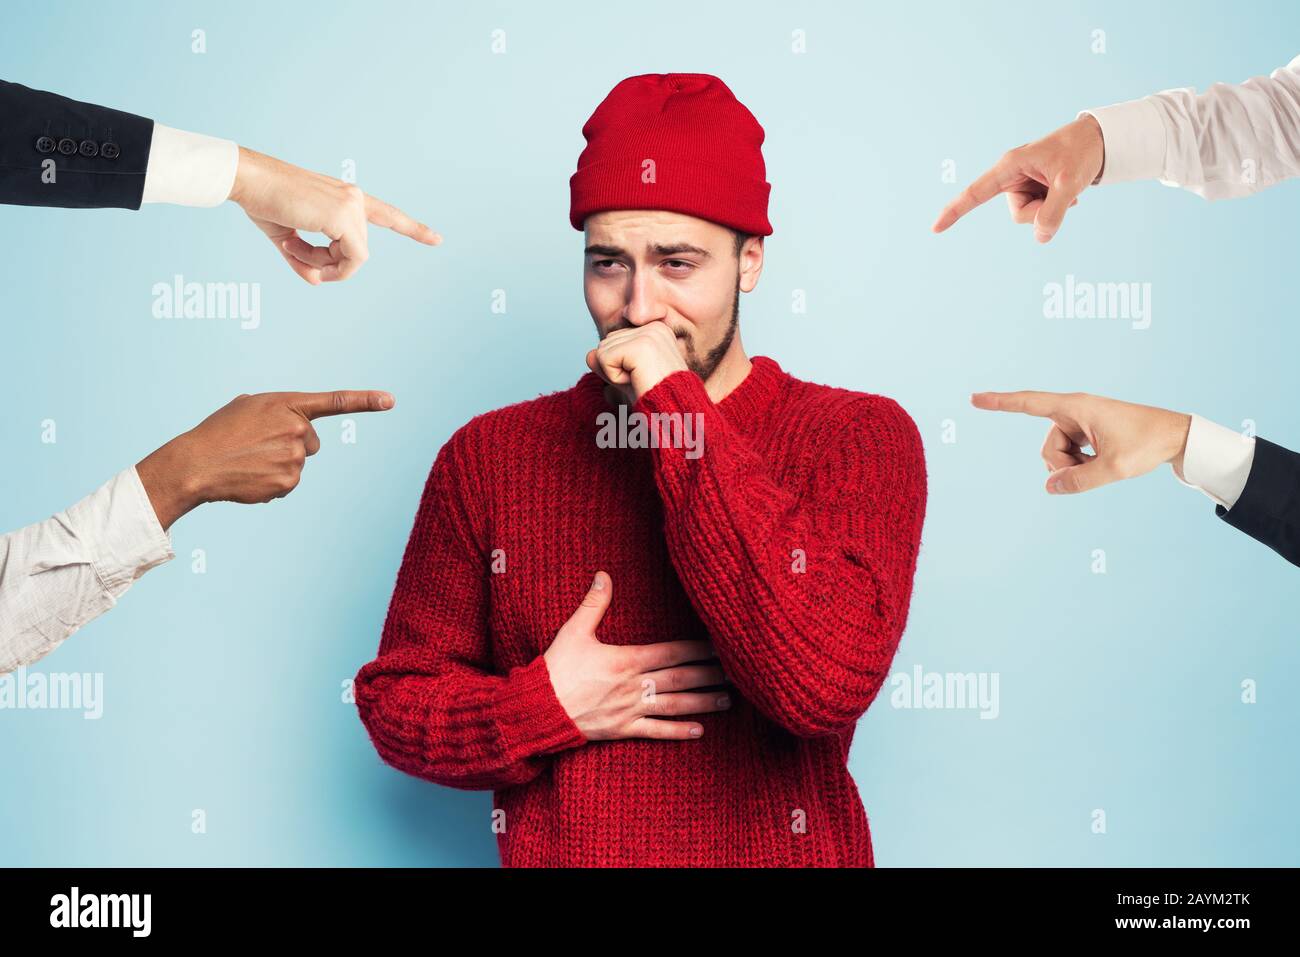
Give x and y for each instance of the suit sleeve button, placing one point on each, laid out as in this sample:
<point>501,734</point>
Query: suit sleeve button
<point>88,148</point>
<point>45,144</point>
<point>67,146</point>
<point>110,151</point>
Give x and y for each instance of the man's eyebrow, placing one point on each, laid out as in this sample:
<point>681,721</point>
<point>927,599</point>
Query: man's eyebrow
<point>673,249</point>
<point>678,248</point>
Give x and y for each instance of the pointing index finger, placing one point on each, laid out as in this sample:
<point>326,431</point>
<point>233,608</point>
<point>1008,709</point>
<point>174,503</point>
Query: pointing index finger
<point>1043,404</point>
<point>390,217</point>
<point>314,405</point>
<point>976,194</point>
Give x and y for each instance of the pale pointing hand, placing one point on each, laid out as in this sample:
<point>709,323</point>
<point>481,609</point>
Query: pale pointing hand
<point>282,199</point>
<point>1127,439</point>
<point>1042,179</point>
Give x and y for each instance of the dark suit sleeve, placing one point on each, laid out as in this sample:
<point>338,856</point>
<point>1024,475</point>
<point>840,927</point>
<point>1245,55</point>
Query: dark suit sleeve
<point>99,155</point>
<point>1268,509</point>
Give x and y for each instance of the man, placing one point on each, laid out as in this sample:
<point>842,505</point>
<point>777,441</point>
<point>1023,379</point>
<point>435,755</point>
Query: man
<point>753,539</point>
<point>60,152</point>
<point>1231,141</point>
<point>57,575</point>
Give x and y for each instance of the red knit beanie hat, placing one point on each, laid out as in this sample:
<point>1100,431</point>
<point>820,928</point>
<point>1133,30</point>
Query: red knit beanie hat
<point>676,141</point>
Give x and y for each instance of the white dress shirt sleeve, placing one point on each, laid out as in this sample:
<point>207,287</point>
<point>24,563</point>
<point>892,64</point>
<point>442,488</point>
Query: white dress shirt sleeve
<point>57,575</point>
<point>1231,140</point>
<point>189,169</point>
<point>1216,461</point>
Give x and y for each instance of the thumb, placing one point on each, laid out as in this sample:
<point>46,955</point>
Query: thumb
<point>594,605</point>
<point>1052,213</point>
<point>1078,478</point>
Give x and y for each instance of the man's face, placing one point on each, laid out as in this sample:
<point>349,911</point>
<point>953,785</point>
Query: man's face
<point>645,266</point>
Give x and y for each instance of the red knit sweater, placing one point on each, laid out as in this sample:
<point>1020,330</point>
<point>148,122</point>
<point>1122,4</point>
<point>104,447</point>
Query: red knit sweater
<point>705,547</point>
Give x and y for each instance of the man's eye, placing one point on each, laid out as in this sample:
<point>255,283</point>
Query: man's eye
<point>678,264</point>
<point>603,263</point>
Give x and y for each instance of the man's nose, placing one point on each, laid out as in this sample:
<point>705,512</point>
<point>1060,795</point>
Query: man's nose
<point>644,302</point>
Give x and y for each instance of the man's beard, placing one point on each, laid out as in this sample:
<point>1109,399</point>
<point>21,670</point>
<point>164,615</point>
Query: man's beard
<point>706,366</point>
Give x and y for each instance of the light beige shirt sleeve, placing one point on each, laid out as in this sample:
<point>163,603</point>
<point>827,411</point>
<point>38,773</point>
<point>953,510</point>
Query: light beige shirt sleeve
<point>1230,141</point>
<point>57,575</point>
<point>189,169</point>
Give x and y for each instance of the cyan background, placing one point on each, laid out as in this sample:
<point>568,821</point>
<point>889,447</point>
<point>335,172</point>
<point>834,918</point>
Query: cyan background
<point>223,691</point>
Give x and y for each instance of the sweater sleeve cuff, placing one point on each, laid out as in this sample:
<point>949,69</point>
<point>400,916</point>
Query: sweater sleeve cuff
<point>1134,138</point>
<point>530,717</point>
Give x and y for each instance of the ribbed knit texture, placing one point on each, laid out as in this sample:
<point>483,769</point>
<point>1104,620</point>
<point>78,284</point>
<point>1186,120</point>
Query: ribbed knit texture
<point>675,141</point>
<point>703,548</point>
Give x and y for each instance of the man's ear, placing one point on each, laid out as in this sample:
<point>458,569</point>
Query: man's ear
<point>751,263</point>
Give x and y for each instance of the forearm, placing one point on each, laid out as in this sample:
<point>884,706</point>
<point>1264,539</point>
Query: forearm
<point>55,151</point>
<point>170,481</point>
<point>459,727</point>
<point>805,597</point>
<point>1230,141</point>
<point>1268,508</point>
<point>60,574</point>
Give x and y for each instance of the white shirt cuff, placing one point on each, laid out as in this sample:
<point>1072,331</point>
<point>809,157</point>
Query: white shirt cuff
<point>1134,138</point>
<point>121,531</point>
<point>1216,461</point>
<point>189,169</point>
